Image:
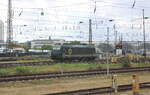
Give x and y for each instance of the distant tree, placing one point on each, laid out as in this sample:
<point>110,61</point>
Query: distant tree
<point>26,48</point>
<point>37,48</point>
<point>47,47</point>
<point>75,42</point>
<point>58,44</point>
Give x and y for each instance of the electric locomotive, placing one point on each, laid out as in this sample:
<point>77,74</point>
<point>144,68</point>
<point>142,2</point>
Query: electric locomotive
<point>74,52</point>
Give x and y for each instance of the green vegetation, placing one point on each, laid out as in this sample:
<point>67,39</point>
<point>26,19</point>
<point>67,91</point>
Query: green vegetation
<point>19,70</point>
<point>47,47</point>
<point>23,69</point>
<point>36,48</point>
<point>46,68</point>
<point>58,44</point>
<point>126,62</point>
<point>5,72</point>
<point>73,43</point>
<point>144,64</point>
<point>65,67</point>
<point>26,48</point>
<point>44,47</point>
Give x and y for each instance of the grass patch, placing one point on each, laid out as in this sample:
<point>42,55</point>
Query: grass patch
<point>21,70</point>
<point>126,63</point>
<point>144,64</point>
<point>47,68</point>
<point>64,67</point>
<point>72,67</point>
<point>4,72</point>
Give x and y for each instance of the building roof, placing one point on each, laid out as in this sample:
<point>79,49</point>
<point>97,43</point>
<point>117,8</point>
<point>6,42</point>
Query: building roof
<point>47,40</point>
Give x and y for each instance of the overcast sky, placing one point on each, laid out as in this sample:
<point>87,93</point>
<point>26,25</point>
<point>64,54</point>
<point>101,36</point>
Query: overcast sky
<point>61,19</point>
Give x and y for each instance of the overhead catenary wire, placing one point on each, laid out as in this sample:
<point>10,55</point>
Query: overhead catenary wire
<point>44,9</point>
<point>89,17</point>
<point>114,4</point>
<point>106,2</point>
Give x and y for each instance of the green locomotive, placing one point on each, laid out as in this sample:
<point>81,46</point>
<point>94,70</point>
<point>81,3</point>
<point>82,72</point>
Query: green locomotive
<point>74,52</point>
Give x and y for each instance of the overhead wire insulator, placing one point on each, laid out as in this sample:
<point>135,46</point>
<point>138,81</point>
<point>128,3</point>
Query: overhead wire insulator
<point>42,13</point>
<point>20,13</point>
<point>133,3</point>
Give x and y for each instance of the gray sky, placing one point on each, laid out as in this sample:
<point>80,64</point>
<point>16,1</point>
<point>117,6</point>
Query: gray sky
<point>61,19</point>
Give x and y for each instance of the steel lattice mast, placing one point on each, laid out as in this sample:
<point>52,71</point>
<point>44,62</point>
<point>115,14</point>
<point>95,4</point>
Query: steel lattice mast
<point>90,31</point>
<point>9,24</point>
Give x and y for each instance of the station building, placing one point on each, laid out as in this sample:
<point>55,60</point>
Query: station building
<point>40,42</point>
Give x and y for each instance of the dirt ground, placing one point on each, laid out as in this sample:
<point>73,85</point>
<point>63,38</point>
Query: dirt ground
<point>39,87</point>
<point>142,92</point>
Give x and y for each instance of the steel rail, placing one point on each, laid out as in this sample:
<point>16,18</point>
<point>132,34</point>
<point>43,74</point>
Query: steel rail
<point>101,90</point>
<point>9,64</point>
<point>23,57</point>
<point>50,75</point>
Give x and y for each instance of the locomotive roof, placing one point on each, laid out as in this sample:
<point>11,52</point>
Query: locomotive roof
<point>79,46</point>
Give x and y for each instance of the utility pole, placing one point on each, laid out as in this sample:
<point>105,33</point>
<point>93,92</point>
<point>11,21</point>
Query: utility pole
<point>90,31</point>
<point>107,51</point>
<point>115,35</point>
<point>9,24</point>
<point>144,53</point>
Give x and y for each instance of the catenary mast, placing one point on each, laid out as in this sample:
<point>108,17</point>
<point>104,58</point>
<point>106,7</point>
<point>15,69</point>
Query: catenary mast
<point>9,24</point>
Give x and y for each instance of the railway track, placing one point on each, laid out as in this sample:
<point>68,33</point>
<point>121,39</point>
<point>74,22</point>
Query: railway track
<point>23,57</point>
<point>13,64</point>
<point>101,90</point>
<point>37,76</point>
